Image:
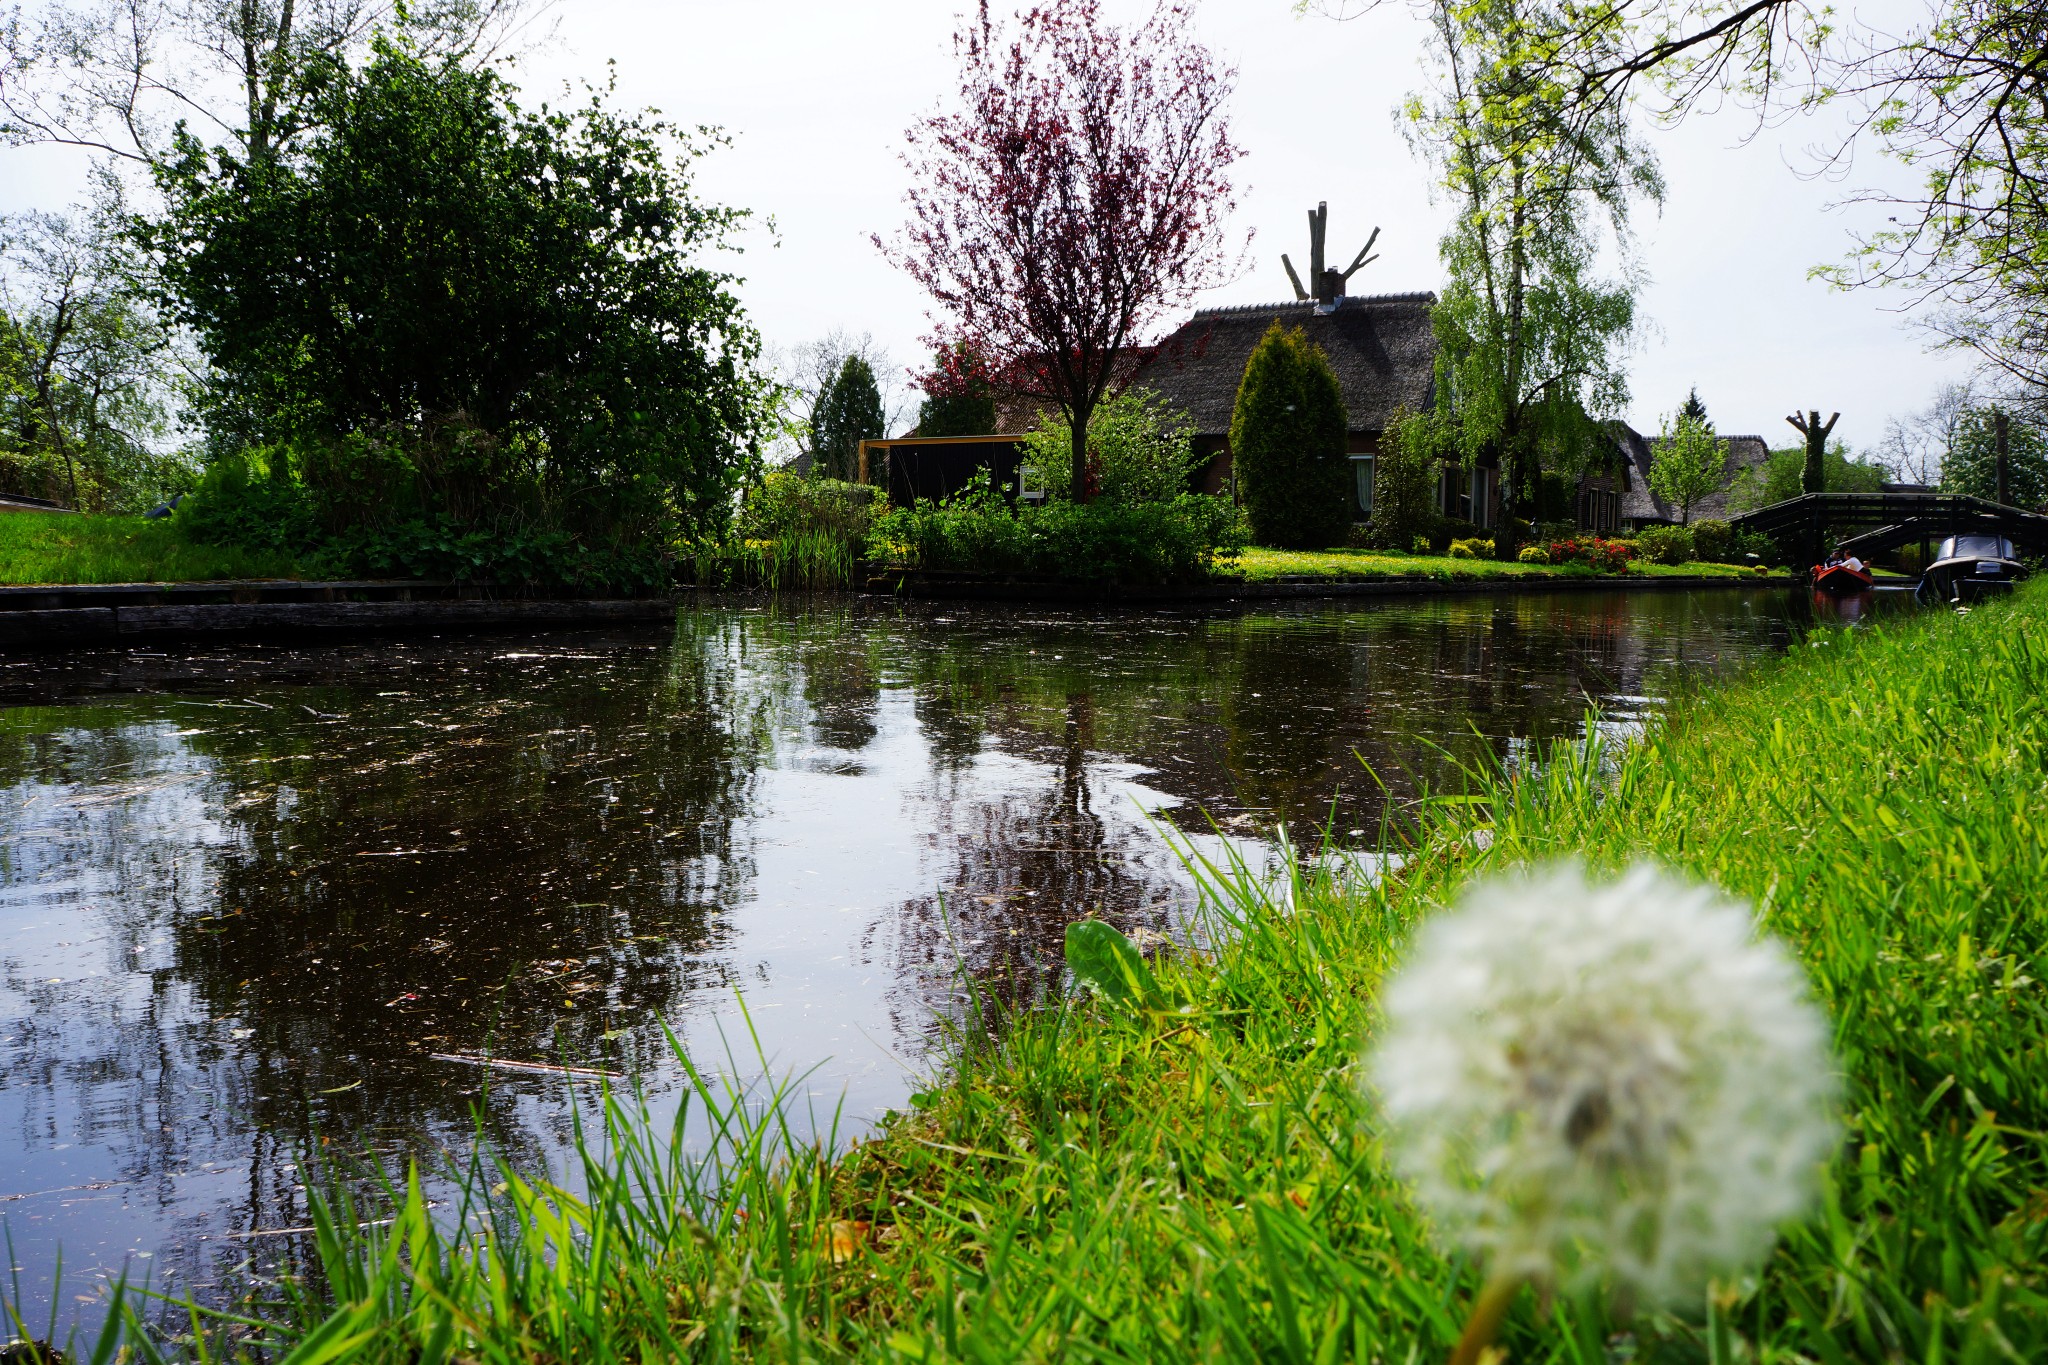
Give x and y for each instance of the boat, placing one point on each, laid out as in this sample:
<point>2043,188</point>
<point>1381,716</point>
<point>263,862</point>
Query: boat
<point>1966,568</point>
<point>1842,580</point>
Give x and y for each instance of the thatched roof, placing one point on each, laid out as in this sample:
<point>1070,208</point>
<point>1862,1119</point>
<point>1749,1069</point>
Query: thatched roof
<point>1639,504</point>
<point>1380,345</point>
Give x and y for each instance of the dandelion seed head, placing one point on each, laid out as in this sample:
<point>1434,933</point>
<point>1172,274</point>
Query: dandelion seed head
<point>1619,1081</point>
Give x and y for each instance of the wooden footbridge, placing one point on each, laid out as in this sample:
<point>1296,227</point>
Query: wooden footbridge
<point>1867,524</point>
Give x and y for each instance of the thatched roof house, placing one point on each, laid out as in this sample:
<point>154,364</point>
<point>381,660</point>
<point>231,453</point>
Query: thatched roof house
<point>1381,346</point>
<point>1640,507</point>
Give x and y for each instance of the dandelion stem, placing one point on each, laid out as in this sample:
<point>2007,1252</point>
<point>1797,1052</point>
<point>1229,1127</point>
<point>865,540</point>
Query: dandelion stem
<point>1484,1324</point>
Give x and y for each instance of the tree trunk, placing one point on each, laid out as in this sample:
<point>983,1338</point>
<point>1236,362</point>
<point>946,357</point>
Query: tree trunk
<point>252,83</point>
<point>2001,428</point>
<point>1813,476</point>
<point>1078,485</point>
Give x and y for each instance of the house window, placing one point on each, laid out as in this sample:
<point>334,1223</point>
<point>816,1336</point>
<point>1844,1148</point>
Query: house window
<point>1481,497</point>
<point>1361,475</point>
<point>1450,491</point>
<point>1599,509</point>
<point>1466,495</point>
<point>1030,483</point>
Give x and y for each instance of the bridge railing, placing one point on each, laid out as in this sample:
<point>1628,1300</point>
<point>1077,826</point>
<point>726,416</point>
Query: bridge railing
<point>1911,515</point>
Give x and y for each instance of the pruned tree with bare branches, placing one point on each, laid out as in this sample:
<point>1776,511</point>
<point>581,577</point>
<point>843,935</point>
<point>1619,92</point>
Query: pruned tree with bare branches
<point>1074,194</point>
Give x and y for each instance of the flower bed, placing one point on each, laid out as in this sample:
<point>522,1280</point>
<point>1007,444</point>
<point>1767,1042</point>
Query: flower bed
<point>1595,552</point>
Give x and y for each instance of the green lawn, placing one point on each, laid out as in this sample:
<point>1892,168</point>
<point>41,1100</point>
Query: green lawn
<point>1202,1180</point>
<point>58,547</point>
<point>1259,565</point>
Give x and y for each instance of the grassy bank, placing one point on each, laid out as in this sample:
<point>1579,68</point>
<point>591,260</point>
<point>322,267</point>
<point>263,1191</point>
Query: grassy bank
<point>1259,564</point>
<point>1201,1180</point>
<point>58,547</point>
<point>65,548</point>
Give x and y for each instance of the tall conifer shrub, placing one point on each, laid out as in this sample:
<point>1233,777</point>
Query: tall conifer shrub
<point>1287,443</point>
<point>849,412</point>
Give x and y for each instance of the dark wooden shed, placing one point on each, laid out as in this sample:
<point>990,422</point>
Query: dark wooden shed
<point>937,467</point>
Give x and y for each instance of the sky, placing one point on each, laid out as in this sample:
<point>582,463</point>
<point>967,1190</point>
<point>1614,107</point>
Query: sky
<point>816,95</point>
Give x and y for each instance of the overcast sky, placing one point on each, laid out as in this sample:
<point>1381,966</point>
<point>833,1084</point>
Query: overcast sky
<point>816,96</point>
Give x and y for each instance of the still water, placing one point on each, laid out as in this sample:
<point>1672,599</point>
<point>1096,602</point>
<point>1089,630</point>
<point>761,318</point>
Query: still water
<point>252,898</point>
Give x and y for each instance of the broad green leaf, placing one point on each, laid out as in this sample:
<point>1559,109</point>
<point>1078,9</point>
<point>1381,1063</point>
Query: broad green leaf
<point>1111,965</point>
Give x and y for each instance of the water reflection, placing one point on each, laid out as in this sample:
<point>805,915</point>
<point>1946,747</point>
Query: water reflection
<point>251,896</point>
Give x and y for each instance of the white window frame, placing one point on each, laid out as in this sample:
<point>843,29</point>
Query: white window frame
<point>1364,472</point>
<point>1479,488</point>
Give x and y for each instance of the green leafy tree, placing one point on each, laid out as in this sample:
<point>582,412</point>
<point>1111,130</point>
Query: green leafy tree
<point>1140,449</point>
<point>1782,475</point>
<point>449,307</point>
<point>1687,463</point>
<point>1961,98</point>
<point>1531,337</point>
<point>1287,444</point>
<point>959,395</point>
<point>1411,456</point>
<point>1971,468</point>
<point>88,368</point>
<point>849,412</point>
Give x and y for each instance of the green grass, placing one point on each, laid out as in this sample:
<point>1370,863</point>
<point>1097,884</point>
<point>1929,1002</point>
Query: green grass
<point>1259,565</point>
<point>1202,1181</point>
<point>56,547</point>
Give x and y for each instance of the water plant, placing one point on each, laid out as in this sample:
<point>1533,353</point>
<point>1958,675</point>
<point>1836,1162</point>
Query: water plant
<point>792,534</point>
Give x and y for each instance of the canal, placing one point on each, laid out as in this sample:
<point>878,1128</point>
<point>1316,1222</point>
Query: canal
<point>261,901</point>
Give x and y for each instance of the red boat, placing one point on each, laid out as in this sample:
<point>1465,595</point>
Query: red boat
<point>1843,580</point>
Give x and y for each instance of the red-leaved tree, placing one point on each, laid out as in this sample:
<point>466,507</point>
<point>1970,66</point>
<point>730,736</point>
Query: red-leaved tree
<point>1074,196</point>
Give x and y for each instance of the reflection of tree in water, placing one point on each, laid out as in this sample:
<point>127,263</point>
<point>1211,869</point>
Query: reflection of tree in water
<point>1264,714</point>
<point>90,814</point>
<point>842,683</point>
<point>464,867</point>
<point>530,856</point>
<point>1247,720</point>
<point>1014,868</point>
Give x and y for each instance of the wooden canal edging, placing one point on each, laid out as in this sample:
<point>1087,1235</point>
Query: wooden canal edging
<point>112,614</point>
<point>86,615</point>
<point>917,583</point>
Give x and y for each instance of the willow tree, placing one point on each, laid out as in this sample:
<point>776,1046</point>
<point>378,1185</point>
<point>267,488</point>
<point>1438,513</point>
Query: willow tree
<point>1958,94</point>
<point>1531,335</point>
